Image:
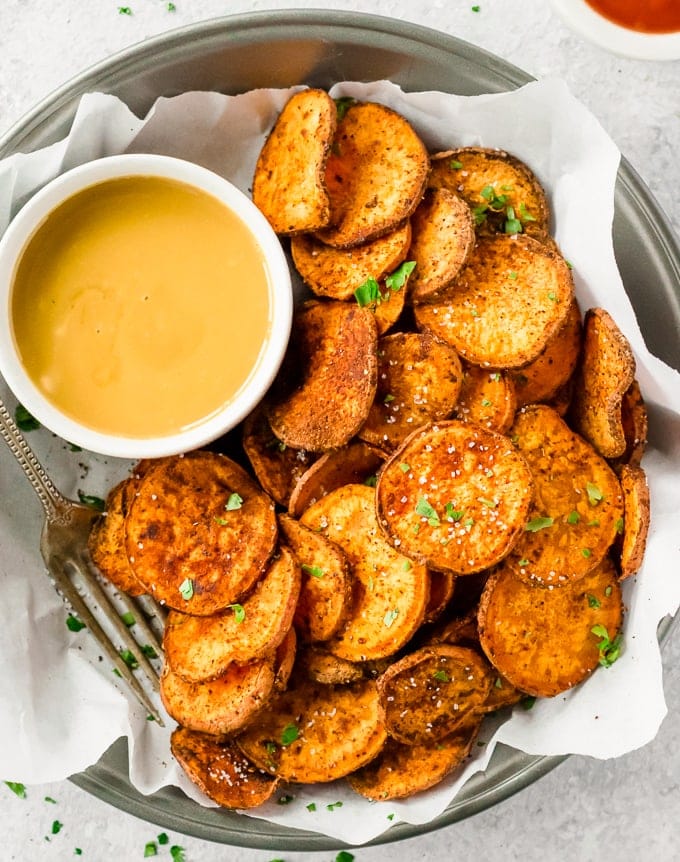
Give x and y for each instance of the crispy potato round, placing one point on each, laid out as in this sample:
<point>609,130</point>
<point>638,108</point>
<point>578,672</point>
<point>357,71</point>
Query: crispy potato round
<point>375,174</point>
<point>326,586</point>
<point>636,515</point>
<point>400,771</point>
<point>329,378</point>
<point>497,186</point>
<point>443,239</point>
<point>606,372</point>
<point>221,771</point>
<point>322,666</point>
<point>199,532</point>
<point>442,589</point>
<point>289,182</point>
<point>336,273</point>
<point>455,496</point>
<point>390,592</point>
<point>509,300</point>
<point>202,648</point>
<point>543,641</point>
<point>635,427</point>
<point>419,379</point>
<point>431,692</point>
<point>315,732</point>
<point>106,542</point>
<point>577,501</point>
<point>487,397</point>
<point>219,706</point>
<point>352,464</point>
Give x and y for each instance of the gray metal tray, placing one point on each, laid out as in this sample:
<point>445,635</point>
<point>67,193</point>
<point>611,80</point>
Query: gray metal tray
<point>279,49</point>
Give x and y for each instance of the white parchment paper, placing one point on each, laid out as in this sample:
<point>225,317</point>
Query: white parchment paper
<point>60,707</point>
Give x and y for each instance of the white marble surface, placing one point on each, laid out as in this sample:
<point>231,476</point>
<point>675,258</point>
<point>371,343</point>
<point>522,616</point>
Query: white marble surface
<point>626,809</point>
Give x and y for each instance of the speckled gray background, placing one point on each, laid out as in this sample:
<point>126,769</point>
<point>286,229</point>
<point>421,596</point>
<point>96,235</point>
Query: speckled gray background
<point>626,809</point>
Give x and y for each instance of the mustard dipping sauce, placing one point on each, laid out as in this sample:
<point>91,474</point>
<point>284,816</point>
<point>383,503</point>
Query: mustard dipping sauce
<point>140,306</point>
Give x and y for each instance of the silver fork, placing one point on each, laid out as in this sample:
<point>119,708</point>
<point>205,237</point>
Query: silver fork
<point>63,545</point>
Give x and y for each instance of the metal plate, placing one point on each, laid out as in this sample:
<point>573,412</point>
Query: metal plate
<point>320,48</point>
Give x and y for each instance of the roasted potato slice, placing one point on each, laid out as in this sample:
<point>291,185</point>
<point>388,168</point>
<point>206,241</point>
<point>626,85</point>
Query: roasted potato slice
<point>326,590</point>
<point>455,497</point>
<point>219,706</point>
<point>442,589</point>
<point>106,542</point>
<point>577,501</point>
<point>636,514</point>
<point>277,467</point>
<point>543,378</point>
<point>375,174</point>
<point>289,183</point>
<point>509,300</point>
<point>202,648</point>
<point>328,384</point>
<point>606,372</point>
<point>199,532</point>
<point>221,771</point>
<point>419,379</point>
<point>503,193</point>
<point>635,427</point>
<point>352,464</point>
<point>443,239</point>
<point>487,397</point>
<point>324,667</point>
<point>430,693</point>
<point>336,273</point>
<point>390,592</point>
<point>400,771</point>
<point>314,732</point>
<point>546,641</point>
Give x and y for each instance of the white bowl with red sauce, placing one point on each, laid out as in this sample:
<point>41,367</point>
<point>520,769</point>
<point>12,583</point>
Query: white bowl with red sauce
<point>145,306</point>
<point>639,29</point>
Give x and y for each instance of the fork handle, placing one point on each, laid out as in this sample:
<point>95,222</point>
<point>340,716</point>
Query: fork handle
<point>49,495</point>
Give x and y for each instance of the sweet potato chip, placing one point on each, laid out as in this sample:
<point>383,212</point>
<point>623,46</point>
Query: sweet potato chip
<point>400,771</point>
<point>289,182</point>
<point>202,648</point>
<point>326,591</point>
<point>577,503</point>
<point>636,513</point>
<point>546,641</point>
<point>328,382</point>
<point>455,496</point>
<point>606,372</point>
<point>501,190</point>
<point>430,693</point>
<point>487,397</point>
<point>443,239</point>
<point>199,532</point>
<point>106,542</point>
<point>509,300</point>
<point>635,427</point>
<point>324,667</point>
<point>375,174</point>
<point>336,273</point>
<point>390,592</point>
<point>442,588</point>
<point>352,464</point>
<point>314,732</point>
<point>419,379</point>
<point>221,771</point>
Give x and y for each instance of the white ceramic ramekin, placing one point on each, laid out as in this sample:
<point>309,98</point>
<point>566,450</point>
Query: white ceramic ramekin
<point>36,210</point>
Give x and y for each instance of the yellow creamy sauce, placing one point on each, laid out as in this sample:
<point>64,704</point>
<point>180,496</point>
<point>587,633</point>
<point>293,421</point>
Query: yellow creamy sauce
<point>140,306</point>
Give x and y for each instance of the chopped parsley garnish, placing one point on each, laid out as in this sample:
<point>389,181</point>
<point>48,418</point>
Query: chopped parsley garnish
<point>286,799</point>
<point>163,838</point>
<point>92,501</point>
<point>128,618</point>
<point>239,612</point>
<point>404,467</point>
<point>608,591</point>
<point>475,8</point>
<point>536,524</point>
<point>368,293</point>
<point>573,517</point>
<point>171,7</point>
<point>619,525</point>
<point>177,853</point>
<point>390,617</point>
<point>396,280</point>
<point>56,827</point>
<point>17,788</point>
<point>593,601</point>
<point>490,504</point>
<point>74,624</point>
<point>25,421</point>
<point>523,562</point>
<point>50,800</point>
<point>186,589</point>
<point>427,511</point>
<point>407,565</point>
<point>314,571</point>
<point>455,165</point>
<point>221,521</point>
<point>344,856</point>
<point>453,513</point>
<point>311,806</point>
<point>234,502</point>
<point>512,223</point>
<point>441,676</point>
<point>528,702</point>
<point>124,10</point>
<point>289,734</point>
<point>333,805</point>
<point>343,104</point>
<point>150,849</point>
<point>371,481</point>
<point>149,651</point>
<point>610,650</point>
<point>129,658</point>
<point>586,552</point>
<point>595,496</point>
<point>388,398</point>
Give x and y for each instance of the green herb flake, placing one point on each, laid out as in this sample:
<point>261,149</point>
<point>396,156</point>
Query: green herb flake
<point>128,618</point>
<point>475,8</point>
<point>368,293</point>
<point>452,513</point>
<point>150,849</point>
<point>371,481</point>
<point>129,658</point>
<point>396,280</point>
<point>186,589</point>
<point>608,591</point>
<point>427,511</point>
<point>289,734</point>
<point>610,650</point>
<point>286,799</point>
<point>390,816</point>
<point>17,788</point>
<point>498,682</point>
<point>332,806</point>
<point>573,517</point>
<point>344,856</point>
<point>512,275</point>
<point>528,702</point>
<point>234,502</point>
<point>311,807</point>
<point>77,851</point>
<point>343,104</point>
<point>314,571</point>
<point>407,565</point>
<point>595,496</point>
<point>441,676</point>
<point>92,501</point>
<point>619,526</point>
<point>56,827</point>
<point>25,421</point>
<point>523,562</point>
<point>388,398</point>
<point>390,617</point>
<point>586,552</point>
<point>50,800</point>
<point>239,612</point>
<point>593,601</point>
<point>73,624</point>
<point>552,296</point>
<point>490,504</point>
<point>536,524</point>
<point>221,521</point>
<point>171,7</point>
<point>177,853</point>
<point>404,467</point>
<point>163,839</point>
<point>149,651</point>
<point>124,10</point>
<point>455,165</point>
